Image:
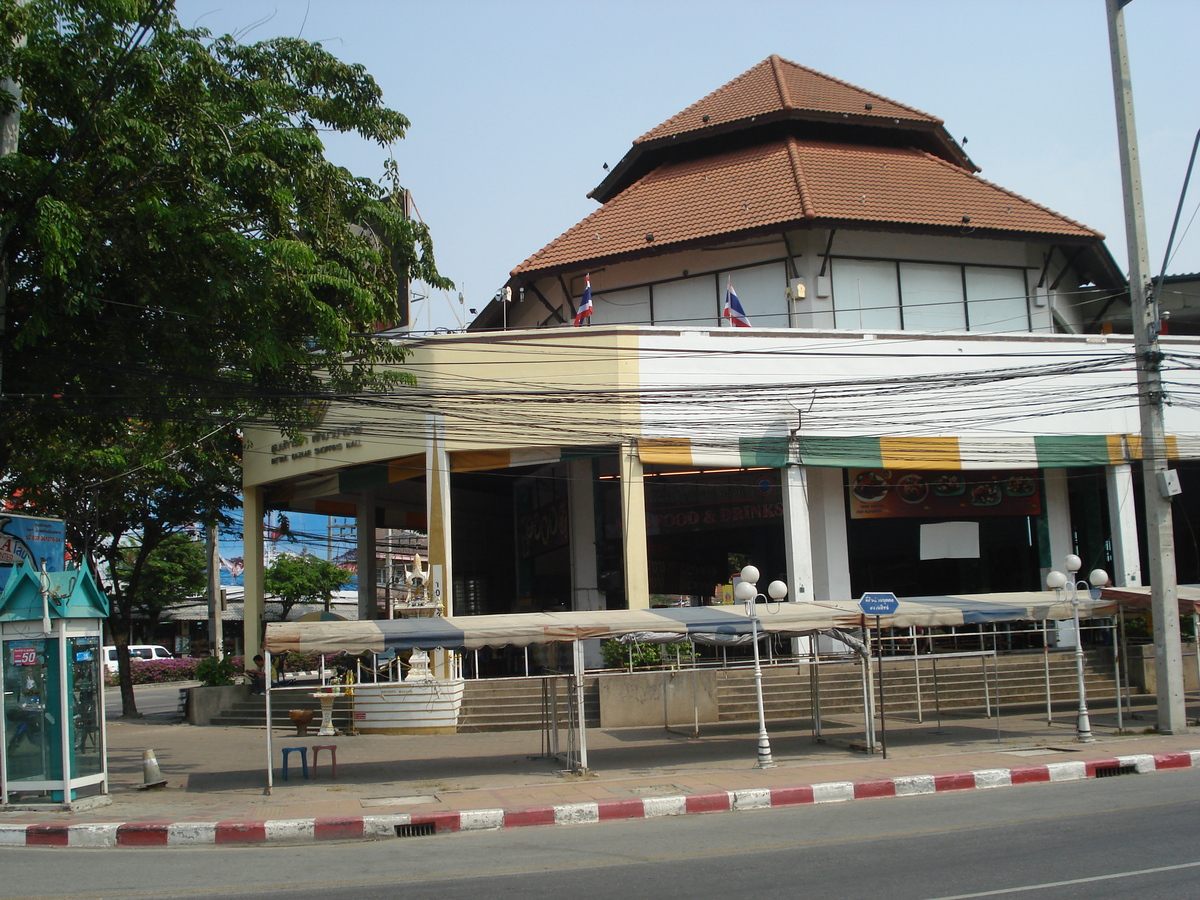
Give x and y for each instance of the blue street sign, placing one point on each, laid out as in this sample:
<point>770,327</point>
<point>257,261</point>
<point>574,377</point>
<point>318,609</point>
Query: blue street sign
<point>878,603</point>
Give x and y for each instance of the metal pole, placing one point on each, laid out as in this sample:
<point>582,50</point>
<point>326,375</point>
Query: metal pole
<point>1125,658</point>
<point>267,703</point>
<point>1196,644</point>
<point>814,684</point>
<point>868,692</point>
<point>764,742</point>
<point>987,697</point>
<point>937,696</point>
<point>579,700</point>
<point>882,716</point>
<point>1172,715</point>
<point>1083,724</point>
<point>1117,668</point>
<point>917,672</point>
<point>1046,661</point>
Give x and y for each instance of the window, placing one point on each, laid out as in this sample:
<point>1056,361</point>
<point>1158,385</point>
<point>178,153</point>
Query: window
<point>865,295</point>
<point>883,295</point>
<point>690,301</point>
<point>933,297</point>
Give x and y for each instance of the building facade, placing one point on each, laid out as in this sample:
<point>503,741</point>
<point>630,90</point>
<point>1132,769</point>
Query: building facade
<point>935,394</point>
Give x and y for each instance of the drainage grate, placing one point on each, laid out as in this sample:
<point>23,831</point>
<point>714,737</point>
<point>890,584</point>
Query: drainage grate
<point>416,829</point>
<point>1113,771</point>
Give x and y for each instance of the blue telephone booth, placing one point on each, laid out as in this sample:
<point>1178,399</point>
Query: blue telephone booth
<point>52,738</point>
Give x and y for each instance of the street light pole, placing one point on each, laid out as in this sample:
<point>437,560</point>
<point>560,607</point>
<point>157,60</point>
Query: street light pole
<point>1057,581</point>
<point>747,592</point>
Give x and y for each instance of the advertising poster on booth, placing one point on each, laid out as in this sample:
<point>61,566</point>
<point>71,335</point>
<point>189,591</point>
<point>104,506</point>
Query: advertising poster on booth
<point>887,494</point>
<point>32,540</point>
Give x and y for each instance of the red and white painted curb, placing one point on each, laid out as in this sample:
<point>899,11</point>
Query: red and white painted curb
<point>190,834</point>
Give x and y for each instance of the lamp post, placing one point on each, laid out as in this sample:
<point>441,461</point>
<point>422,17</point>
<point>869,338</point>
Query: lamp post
<point>1059,582</point>
<point>747,592</point>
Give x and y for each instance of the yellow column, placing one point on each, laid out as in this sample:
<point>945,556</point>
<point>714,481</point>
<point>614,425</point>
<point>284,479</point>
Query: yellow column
<point>633,528</point>
<point>252,575</point>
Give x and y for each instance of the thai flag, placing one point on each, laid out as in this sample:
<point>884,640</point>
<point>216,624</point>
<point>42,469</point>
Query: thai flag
<point>733,308</point>
<point>585,306</point>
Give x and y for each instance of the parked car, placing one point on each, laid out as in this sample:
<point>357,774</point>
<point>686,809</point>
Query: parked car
<point>136,651</point>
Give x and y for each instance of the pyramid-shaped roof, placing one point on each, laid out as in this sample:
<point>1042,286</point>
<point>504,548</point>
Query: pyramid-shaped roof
<point>780,94</point>
<point>766,186</point>
<point>777,85</point>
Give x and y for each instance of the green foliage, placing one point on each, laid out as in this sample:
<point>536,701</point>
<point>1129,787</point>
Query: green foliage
<point>303,578</point>
<point>644,656</point>
<point>175,241</point>
<point>171,573</point>
<point>177,255</point>
<point>213,672</point>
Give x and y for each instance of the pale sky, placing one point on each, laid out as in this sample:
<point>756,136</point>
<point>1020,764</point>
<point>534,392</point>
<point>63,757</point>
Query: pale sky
<point>515,106</point>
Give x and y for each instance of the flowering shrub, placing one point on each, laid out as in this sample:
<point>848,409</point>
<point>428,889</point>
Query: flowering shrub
<point>157,671</point>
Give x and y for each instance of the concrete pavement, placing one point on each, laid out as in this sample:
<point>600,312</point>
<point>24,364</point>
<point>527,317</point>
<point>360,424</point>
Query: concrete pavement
<point>389,786</point>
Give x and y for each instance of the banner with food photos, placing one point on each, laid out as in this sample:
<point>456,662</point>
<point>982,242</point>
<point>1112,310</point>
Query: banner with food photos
<point>889,494</point>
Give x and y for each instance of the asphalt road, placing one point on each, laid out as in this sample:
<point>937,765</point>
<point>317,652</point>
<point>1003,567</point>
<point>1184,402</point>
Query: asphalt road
<point>157,701</point>
<point>1132,836</point>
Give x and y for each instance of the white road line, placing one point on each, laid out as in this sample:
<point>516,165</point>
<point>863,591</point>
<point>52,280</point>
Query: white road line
<point>1053,884</point>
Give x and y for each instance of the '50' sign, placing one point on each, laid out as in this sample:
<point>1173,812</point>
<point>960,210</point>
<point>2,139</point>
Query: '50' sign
<point>24,656</point>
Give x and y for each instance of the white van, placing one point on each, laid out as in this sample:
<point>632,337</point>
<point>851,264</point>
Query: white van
<point>136,651</point>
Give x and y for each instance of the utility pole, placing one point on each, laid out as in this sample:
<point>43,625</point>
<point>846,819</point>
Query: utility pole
<point>1157,478</point>
<point>216,625</point>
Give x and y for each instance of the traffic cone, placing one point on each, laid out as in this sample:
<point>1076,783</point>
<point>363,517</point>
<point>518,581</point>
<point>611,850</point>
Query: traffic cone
<point>151,776</point>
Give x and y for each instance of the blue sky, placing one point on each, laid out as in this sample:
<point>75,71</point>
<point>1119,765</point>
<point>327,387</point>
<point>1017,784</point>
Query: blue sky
<point>516,105</point>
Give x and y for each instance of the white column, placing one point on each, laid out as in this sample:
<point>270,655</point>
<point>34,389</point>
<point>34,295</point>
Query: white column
<point>1058,522</point>
<point>581,503</point>
<point>797,533</point>
<point>633,528</point>
<point>827,521</point>
<point>1122,523</point>
<point>252,574</point>
<point>437,507</point>
<point>364,553</point>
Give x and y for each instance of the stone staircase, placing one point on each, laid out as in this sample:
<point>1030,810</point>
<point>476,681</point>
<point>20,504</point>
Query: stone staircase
<point>515,704</point>
<point>252,711</point>
<point>960,685</point>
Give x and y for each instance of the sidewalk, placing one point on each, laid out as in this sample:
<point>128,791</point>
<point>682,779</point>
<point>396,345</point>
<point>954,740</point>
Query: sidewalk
<point>389,786</point>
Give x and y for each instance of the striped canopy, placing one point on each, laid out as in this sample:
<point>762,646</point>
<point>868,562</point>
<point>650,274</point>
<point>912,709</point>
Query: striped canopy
<point>787,619</point>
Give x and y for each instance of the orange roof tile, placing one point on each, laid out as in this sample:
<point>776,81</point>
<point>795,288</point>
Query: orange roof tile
<point>778,85</point>
<point>792,180</point>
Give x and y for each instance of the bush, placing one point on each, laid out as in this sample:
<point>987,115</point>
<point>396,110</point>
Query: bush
<point>212,672</point>
<point>157,671</point>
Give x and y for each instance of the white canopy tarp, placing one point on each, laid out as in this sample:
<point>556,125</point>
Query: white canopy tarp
<point>787,619</point>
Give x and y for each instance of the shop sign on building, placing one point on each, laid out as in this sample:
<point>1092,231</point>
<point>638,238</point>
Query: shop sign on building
<point>889,494</point>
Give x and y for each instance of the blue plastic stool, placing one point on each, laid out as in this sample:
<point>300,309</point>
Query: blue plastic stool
<point>303,751</point>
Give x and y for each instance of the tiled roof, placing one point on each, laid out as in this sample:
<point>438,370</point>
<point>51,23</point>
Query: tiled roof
<point>792,180</point>
<point>777,85</point>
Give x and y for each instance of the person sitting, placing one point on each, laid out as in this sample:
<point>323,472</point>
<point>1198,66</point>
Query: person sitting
<point>257,676</point>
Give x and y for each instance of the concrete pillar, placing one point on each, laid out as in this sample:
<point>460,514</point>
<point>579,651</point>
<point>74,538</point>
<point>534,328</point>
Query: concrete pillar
<point>827,521</point>
<point>797,533</point>
<point>581,503</point>
<point>252,574</point>
<point>633,528</point>
<point>364,553</point>
<point>437,507</point>
<point>1122,523</point>
<point>1058,526</point>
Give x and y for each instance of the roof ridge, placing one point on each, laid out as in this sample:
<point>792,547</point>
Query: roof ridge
<point>801,181</point>
<point>975,177</point>
<point>780,84</point>
<point>855,87</point>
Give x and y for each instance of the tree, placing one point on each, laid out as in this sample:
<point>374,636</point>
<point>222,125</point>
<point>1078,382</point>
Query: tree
<point>293,579</point>
<point>174,241</point>
<point>174,572</point>
<point>126,489</point>
<point>177,256</point>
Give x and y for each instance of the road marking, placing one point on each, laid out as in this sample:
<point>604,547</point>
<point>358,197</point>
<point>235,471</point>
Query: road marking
<point>1054,884</point>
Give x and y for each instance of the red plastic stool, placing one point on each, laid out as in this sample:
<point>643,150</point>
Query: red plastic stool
<point>317,748</point>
